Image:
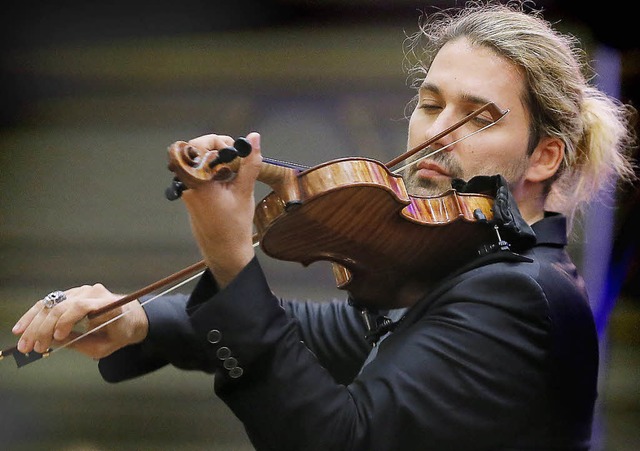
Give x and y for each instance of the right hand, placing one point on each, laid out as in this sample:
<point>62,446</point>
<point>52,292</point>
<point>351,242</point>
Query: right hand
<point>41,328</point>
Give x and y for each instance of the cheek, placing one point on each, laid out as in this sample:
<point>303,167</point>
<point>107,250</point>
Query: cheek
<point>413,135</point>
<point>413,123</point>
<point>472,165</point>
<point>483,160</point>
<point>418,123</point>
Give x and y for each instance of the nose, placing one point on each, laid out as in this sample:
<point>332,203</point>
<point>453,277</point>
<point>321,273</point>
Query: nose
<point>441,131</point>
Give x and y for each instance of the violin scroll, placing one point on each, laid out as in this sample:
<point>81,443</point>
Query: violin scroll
<point>194,166</point>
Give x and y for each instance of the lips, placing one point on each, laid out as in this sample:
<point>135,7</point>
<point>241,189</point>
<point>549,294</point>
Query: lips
<point>430,169</point>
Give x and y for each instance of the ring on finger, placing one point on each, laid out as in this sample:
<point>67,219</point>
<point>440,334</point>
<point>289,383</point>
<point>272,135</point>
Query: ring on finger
<point>54,298</point>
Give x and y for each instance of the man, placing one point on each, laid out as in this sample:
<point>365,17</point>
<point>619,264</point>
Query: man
<point>501,354</point>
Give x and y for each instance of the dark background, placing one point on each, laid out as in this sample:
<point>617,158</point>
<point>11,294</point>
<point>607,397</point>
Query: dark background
<point>92,94</point>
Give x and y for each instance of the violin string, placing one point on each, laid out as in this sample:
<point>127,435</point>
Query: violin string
<point>424,157</point>
<point>285,164</point>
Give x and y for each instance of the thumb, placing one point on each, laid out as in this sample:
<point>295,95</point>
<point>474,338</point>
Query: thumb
<point>250,166</point>
<point>254,140</point>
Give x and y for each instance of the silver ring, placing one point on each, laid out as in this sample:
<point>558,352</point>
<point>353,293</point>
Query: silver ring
<point>54,298</point>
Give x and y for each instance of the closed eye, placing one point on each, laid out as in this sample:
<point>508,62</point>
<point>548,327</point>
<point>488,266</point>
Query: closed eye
<point>430,107</point>
<point>481,120</point>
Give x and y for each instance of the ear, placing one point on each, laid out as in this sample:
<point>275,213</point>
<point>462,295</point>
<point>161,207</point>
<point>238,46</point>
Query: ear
<point>545,159</point>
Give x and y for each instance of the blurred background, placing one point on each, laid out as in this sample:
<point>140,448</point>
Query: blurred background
<point>93,93</point>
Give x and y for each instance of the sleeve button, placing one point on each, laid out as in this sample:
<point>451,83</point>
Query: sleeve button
<point>223,353</point>
<point>230,363</point>
<point>236,372</point>
<point>214,336</point>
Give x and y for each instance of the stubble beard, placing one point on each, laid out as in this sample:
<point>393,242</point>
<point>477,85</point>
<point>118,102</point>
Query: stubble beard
<point>421,187</point>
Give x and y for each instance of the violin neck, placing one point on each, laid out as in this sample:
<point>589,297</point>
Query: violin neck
<point>282,178</point>
<point>285,164</point>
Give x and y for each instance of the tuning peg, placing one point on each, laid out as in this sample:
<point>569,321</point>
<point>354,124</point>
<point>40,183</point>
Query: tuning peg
<point>225,155</point>
<point>242,146</point>
<point>174,191</point>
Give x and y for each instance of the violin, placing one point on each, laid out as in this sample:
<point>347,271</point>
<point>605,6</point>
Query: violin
<point>386,246</point>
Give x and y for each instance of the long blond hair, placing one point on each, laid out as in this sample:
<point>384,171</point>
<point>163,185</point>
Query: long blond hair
<point>595,128</point>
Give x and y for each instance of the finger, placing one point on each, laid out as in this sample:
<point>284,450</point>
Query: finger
<point>29,336</point>
<point>78,292</point>
<point>91,299</point>
<point>43,335</point>
<point>250,166</point>
<point>254,140</point>
<point>39,333</point>
<point>56,326</point>
<point>211,142</point>
<point>27,318</point>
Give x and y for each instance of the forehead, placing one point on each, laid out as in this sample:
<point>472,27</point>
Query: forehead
<point>462,71</point>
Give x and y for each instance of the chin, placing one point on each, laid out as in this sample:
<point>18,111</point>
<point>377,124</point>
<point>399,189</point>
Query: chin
<point>428,187</point>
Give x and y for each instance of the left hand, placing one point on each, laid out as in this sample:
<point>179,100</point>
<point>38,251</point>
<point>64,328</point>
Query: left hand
<point>221,213</point>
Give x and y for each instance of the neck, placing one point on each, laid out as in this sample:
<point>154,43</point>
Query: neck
<point>531,200</point>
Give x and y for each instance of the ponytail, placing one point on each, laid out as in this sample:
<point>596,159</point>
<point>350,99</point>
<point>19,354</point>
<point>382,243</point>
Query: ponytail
<point>600,158</point>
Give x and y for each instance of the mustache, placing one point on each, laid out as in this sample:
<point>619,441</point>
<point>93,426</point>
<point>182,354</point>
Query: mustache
<point>443,159</point>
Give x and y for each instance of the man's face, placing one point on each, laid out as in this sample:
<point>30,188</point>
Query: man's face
<point>461,79</point>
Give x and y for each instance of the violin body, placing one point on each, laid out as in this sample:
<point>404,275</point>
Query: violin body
<point>387,247</point>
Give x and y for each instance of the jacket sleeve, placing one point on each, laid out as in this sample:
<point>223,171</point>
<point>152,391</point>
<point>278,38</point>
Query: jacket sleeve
<point>474,363</point>
<point>170,340</point>
<point>335,332</point>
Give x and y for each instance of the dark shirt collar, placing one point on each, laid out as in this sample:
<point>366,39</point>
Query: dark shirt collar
<point>551,230</point>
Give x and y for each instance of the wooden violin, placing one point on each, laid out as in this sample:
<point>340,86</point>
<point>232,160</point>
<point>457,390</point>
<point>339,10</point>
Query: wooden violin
<point>386,246</point>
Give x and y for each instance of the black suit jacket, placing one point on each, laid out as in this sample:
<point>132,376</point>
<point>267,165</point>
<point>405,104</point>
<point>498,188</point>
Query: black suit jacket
<point>502,355</point>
